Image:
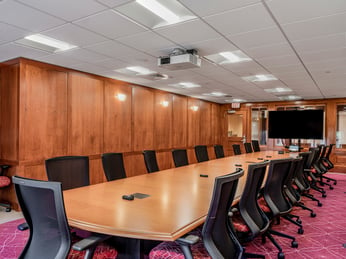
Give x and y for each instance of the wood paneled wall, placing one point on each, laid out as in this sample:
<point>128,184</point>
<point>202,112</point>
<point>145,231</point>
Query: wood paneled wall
<point>48,111</point>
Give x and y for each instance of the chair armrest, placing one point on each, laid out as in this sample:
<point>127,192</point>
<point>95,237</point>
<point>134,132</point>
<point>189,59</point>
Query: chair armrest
<point>90,241</point>
<point>188,240</point>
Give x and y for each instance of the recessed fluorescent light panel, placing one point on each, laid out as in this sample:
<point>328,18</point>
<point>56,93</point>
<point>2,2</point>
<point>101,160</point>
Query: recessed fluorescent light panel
<point>45,43</point>
<point>290,98</point>
<point>156,13</point>
<point>278,90</point>
<point>235,100</point>
<point>135,70</point>
<point>186,85</point>
<point>260,78</point>
<point>216,94</point>
<point>228,57</point>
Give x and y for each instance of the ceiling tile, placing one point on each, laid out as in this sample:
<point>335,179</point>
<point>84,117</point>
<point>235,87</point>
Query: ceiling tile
<point>237,21</point>
<point>258,38</point>
<point>83,55</point>
<point>150,42</point>
<point>203,8</point>
<point>213,46</point>
<point>113,3</point>
<point>282,49</point>
<point>10,33</point>
<point>110,24</point>
<point>297,10</point>
<point>66,9</point>
<point>25,17</point>
<point>335,41</point>
<point>191,31</point>
<point>319,27</point>
<point>74,35</point>
<point>10,51</point>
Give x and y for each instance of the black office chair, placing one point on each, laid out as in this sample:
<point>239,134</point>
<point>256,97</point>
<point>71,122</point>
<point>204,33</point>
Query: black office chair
<point>180,157</point>
<point>291,189</point>
<point>43,208</point>
<point>201,152</point>
<point>113,166</point>
<point>71,171</point>
<point>255,146</point>
<point>236,149</point>
<point>274,202</point>
<point>328,163</point>
<point>248,147</point>
<point>248,219</point>
<point>150,161</point>
<point>219,153</point>
<point>313,170</point>
<point>5,182</point>
<point>218,237</point>
<point>300,179</point>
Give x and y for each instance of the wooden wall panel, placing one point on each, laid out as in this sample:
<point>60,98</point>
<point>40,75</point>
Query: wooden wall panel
<point>134,164</point>
<point>143,118</point>
<point>36,172</point>
<point>43,117</point>
<point>179,121</point>
<point>96,174</point>
<point>216,117</point>
<point>205,124</point>
<point>193,123</point>
<point>164,159</point>
<point>9,106</point>
<point>117,118</point>
<point>86,114</point>
<point>162,120</point>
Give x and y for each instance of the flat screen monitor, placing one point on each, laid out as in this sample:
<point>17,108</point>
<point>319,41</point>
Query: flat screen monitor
<point>298,124</point>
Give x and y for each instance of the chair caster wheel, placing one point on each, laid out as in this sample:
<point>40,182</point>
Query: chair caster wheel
<point>8,209</point>
<point>299,221</point>
<point>300,231</point>
<point>312,215</point>
<point>331,188</point>
<point>334,183</point>
<point>324,195</point>
<point>281,255</point>
<point>294,244</point>
<point>319,204</point>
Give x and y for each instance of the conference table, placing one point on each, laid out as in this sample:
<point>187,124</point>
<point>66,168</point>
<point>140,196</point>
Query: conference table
<point>167,204</point>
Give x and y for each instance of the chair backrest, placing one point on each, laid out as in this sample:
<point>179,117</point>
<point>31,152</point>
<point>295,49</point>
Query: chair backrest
<point>43,208</point>
<point>273,189</point>
<point>300,178</point>
<point>71,171</point>
<point>218,149</point>
<point>218,235</point>
<point>201,152</point>
<point>236,149</point>
<point>329,150</point>
<point>248,147</point>
<point>180,157</point>
<point>249,208</point>
<point>291,193</point>
<point>255,146</point>
<point>150,161</point>
<point>113,166</point>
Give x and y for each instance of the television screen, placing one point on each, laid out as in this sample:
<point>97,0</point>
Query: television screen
<point>298,124</point>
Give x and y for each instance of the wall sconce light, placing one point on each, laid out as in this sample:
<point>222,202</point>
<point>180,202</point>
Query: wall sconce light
<point>165,103</point>
<point>194,108</point>
<point>121,97</point>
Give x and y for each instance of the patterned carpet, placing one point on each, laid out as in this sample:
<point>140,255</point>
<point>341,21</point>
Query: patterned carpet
<point>324,235</point>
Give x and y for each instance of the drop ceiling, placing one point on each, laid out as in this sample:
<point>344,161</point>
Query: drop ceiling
<point>302,43</point>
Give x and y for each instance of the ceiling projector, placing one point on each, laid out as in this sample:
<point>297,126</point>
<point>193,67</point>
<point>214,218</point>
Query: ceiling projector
<point>180,59</point>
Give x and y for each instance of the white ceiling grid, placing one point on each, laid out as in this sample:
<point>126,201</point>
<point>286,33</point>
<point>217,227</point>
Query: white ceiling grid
<point>300,42</point>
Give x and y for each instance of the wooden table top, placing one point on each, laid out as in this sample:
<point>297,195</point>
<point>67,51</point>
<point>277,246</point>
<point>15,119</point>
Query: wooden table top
<point>179,200</point>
